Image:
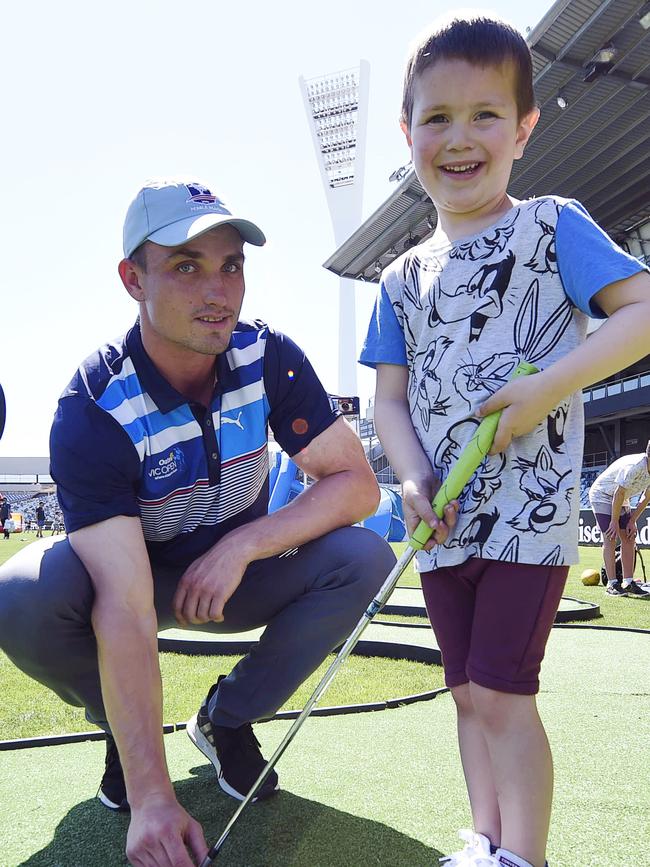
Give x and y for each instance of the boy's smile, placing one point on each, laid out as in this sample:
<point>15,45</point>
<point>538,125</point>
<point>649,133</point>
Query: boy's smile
<point>464,135</point>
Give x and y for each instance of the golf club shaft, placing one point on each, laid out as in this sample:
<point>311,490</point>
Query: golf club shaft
<point>458,477</point>
<point>379,600</point>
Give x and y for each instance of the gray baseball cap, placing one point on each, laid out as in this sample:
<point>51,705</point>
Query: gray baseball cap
<point>170,212</point>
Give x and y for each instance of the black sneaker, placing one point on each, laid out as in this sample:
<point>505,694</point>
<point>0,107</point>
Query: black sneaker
<point>112,790</point>
<point>615,589</point>
<point>633,589</point>
<point>235,754</point>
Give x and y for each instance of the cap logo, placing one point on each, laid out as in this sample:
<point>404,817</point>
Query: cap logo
<point>202,195</point>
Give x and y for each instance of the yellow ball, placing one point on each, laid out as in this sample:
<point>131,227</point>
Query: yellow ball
<point>590,577</point>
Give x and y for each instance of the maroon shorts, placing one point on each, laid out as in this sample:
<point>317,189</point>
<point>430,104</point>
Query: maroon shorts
<point>492,620</point>
<point>604,520</point>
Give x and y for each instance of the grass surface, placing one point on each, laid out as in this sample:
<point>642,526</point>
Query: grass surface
<point>615,610</point>
<point>31,710</point>
<point>372,790</point>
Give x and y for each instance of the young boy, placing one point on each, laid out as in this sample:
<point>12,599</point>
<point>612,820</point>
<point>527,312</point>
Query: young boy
<point>499,281</point>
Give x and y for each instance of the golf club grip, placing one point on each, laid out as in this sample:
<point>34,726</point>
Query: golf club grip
<point>467,463</point>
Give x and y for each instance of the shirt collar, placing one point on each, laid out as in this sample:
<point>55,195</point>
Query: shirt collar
<point>161,392</point>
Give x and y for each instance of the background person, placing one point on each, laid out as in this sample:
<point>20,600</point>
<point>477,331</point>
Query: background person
<point>40,520</point>
<point>499,281</point>
<point>609,497</point>
<point>159,451</point>
<point>5,511</point>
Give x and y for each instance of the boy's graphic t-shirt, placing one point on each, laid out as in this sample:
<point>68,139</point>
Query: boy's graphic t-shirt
<point>630,472</point>
<point>461,316</point>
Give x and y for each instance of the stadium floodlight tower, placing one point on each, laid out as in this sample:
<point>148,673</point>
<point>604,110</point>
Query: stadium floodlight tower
<point>337,110</point>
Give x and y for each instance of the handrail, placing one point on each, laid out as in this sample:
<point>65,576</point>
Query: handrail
<point>608,389</point>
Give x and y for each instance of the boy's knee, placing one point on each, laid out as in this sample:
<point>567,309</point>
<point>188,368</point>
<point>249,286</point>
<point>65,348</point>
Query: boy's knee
<point>500,710</point>
<point>462,699</point>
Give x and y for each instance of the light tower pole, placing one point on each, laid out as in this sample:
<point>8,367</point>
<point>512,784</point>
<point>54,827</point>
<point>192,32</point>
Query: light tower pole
<point>337,110</point>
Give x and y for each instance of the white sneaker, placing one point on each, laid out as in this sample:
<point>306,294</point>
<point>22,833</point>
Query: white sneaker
<point>476,852</point>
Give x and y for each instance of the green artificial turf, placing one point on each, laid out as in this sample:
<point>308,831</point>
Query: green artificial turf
<point>615,610</point>
<point>380,789</point>
<point>31,710</point>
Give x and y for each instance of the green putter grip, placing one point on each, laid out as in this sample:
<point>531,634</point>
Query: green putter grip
<point>464,468</point>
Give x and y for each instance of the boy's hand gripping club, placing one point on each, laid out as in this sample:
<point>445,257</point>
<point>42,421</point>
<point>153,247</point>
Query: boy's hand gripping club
<point>459,475</point>
<point>468,461</point>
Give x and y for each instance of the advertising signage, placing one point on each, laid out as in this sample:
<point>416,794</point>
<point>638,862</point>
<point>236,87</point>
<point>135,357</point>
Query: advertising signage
<point>589,531</point>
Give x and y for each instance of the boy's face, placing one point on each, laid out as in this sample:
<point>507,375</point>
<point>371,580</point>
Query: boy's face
<point>464,136</point>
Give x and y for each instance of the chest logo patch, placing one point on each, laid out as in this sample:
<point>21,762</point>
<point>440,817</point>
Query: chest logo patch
<point>167,465</point>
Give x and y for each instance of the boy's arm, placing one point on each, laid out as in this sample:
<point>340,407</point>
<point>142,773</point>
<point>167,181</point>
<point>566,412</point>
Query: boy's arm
<point>406,455</point>
<point>619,342</point>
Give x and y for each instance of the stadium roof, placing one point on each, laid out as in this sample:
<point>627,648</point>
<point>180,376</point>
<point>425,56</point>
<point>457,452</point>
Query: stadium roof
<point>37,466</point>
<point>596,149</point>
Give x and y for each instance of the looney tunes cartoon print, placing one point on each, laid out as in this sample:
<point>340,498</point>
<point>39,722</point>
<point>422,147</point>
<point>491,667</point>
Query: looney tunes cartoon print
<point>470,312</point>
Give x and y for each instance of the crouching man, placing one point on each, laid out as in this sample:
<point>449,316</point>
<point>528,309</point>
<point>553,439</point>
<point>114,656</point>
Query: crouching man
<point>159,451</point>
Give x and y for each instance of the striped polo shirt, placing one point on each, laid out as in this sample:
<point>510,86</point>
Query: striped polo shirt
<point>125,442</point>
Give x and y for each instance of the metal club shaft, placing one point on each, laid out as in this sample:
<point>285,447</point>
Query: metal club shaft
<point>459,475</point>
<point>376,604</point>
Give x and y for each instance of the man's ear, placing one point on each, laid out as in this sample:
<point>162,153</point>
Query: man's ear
<point>129,274</point>
<point>524,131</point>
<point>407,133</point>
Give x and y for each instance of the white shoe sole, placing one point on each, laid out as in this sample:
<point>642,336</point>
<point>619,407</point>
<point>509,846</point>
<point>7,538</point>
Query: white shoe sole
<point>202,743</point>
<point>118,808</point>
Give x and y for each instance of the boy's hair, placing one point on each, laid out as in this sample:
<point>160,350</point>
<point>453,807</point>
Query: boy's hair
<point>479,40</point>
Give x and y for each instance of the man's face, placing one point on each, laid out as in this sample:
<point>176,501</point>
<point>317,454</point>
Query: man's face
<point>464,136</point>
<point>191,295</point>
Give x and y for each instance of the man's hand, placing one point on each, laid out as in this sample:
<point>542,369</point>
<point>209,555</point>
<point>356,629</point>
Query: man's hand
<point>613,530</point>
<point>630,530</point>
<point>416,501</point>
<point>209,582</point>
<point>525,402</point>
<point>161,833</point>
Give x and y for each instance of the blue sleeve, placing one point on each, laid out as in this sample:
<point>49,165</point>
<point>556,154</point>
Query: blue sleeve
<point>300,409</point>
<point>588,259</point>
<point>384,343</point>
<point>94,464</point>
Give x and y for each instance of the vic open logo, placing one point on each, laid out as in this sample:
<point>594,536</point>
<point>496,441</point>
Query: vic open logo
<point>167,465</point>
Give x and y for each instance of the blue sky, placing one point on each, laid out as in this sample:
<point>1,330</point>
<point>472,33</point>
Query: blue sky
<point>98,98</point>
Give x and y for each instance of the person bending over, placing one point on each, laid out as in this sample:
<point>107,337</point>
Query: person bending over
<point>609,497</point>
